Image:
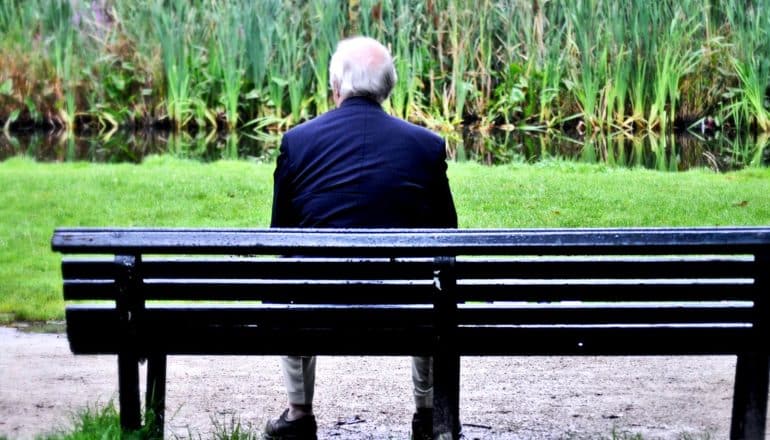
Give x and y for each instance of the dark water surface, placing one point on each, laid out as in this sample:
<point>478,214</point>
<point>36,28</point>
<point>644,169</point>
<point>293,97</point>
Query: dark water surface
<point>665,153</point>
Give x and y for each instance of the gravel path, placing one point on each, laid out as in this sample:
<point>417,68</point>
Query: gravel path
<point>42,384</point>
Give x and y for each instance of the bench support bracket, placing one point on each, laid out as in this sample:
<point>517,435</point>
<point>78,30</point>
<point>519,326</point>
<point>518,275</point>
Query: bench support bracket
<point>446,359</point>
<point>156,394</point>
<point>750,397</point>
<point>129,305</point>
<point>128,387</point>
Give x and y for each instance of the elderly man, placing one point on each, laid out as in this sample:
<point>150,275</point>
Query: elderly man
<point>358,167</point>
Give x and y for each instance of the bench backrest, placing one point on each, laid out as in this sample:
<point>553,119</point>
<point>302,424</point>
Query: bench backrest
<point>565,291</point>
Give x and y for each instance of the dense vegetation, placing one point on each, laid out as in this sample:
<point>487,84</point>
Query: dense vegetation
<point>600,65</point>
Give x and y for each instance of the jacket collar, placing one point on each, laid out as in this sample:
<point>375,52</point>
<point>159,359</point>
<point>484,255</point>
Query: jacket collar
<point>360,100</point>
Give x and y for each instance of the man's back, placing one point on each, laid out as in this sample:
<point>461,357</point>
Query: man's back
<point>356,166</point>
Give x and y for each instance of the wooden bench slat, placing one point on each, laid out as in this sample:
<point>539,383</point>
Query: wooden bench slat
<point>607,314</point>
<point>374,293</point>
<point>255,268</point>
<point>481,314</point>
<point>608,292</point>
<point>83,290</point>
<point>607,341</point>
<point>97,331</point>
<point>396,242</point>
<point>600,268</point>
<point>362,269</point>
<point>281,291</point>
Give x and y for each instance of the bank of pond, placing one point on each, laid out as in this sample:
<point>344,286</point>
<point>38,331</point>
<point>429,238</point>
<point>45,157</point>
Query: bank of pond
<point>674,152</point>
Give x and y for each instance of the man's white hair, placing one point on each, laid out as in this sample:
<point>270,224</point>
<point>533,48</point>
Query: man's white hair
<point>361,66</point>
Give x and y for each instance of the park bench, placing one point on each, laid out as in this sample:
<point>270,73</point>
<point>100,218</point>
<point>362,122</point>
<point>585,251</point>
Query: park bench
<point>445,293</point>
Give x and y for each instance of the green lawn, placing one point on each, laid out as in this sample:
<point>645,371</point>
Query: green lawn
<point>36,198</point>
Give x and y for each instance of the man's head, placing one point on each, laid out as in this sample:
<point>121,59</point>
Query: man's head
<point>361,66</point>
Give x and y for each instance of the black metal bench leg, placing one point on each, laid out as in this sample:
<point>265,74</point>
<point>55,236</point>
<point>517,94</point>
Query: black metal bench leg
<point>156,394</point>
<point>446,358</point>
<point>446,396</point>
<point>750,397</point>
<point>128,386</point>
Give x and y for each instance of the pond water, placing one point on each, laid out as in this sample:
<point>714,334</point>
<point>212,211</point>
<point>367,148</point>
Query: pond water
<point>676,152</point>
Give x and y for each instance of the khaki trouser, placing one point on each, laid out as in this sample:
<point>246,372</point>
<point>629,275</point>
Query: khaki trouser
<point>299,376</point>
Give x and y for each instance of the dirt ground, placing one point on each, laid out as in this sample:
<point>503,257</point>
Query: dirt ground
<point>42,384</point>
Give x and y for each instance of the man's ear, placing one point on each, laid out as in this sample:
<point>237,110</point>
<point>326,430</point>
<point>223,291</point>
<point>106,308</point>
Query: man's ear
<point>336,93</point>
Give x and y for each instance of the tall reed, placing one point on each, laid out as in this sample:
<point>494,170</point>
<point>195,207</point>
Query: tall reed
<point>589,72</point>
<point>172,22</point>
<point>15,18</point>
<point>58,22</point>
<point>408,51</point>
<point>752,64</point>
<point>677,59</point>
<point>291,72</point>
<point>229,36</point>
<point>326,29</point>
<point>551,67</point>
<point>259,23</point>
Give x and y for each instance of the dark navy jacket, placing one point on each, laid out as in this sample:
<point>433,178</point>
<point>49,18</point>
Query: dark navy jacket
<point>358,167</point>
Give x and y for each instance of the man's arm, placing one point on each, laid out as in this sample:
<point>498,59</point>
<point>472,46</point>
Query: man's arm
<point>282,216</point>
<point>446,215</point>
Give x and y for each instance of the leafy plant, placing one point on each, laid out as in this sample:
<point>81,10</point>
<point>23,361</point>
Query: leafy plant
<point>229,50</point>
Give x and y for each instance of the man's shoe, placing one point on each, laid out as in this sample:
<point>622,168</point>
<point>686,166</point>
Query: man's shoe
<point>422,424</point>
<point>281,429</point>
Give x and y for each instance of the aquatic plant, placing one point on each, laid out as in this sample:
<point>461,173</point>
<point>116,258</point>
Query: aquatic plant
<point>172,21</point>
<point>326,23</point>
<point>229,50</point>
<point>58,23</point>
<point>259,22</point>
<point>752,64</point>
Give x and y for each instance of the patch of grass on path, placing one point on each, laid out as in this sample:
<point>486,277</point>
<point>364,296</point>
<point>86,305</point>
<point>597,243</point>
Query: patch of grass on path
<point>104,423</point>
<point>36,198</point>
<point>96,423</point>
